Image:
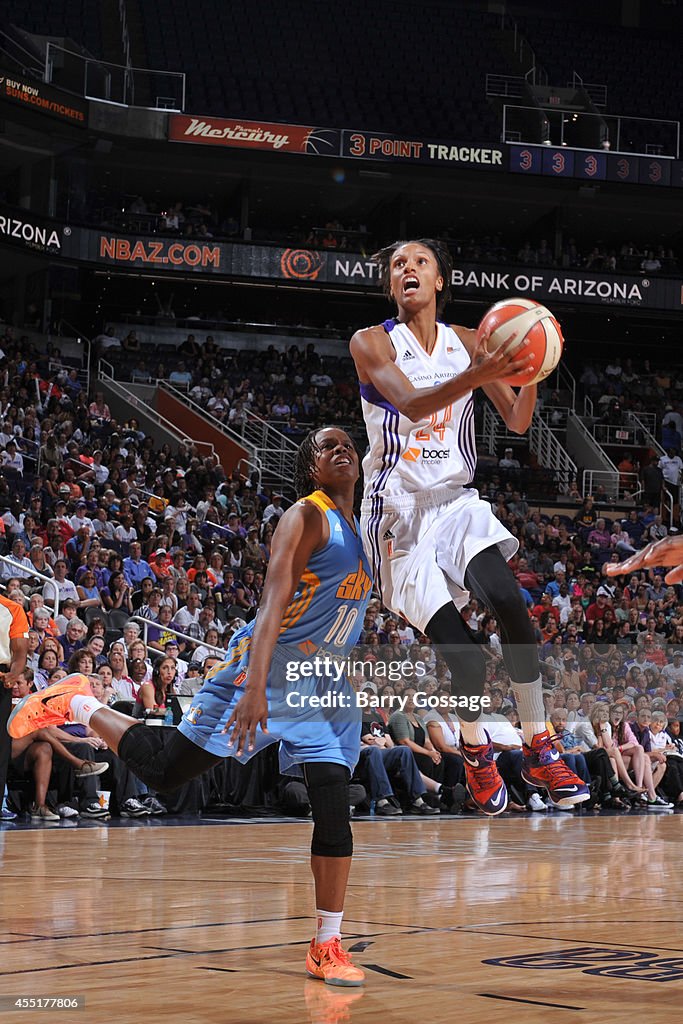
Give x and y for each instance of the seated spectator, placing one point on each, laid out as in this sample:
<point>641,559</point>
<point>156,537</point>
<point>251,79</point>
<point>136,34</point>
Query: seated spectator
<point>116,596</point>
<point>660,741</point>
<point>135,568</point>
<point>121,683</point>
<point>88,591</point>
<point>378,757</point>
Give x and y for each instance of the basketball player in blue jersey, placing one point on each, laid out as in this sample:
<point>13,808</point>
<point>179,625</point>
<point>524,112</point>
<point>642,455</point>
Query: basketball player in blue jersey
<point>316,591</point>
<point>430,538</point>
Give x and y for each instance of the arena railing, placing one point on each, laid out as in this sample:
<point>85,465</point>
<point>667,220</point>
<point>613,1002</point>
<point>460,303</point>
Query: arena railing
<point>146,623</point>
<point>112,83</point>
<point>549,452</point>
<point>270,451</point>
<point>34,574</point>
<point>608,128</point>
<point>619,435</point>
<point>593,478</point>
<point>641,422</point>
<point>105,375</point>
<point>666,505</point>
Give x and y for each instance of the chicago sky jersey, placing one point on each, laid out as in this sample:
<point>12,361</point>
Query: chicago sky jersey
<point>438,451</point>
<point>328,607</point>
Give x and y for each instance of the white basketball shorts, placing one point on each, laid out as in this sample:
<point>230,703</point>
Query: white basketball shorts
<point>420,545</point>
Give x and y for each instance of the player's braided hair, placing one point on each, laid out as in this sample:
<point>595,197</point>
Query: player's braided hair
<point>305,464</point>
<point>443,261</point>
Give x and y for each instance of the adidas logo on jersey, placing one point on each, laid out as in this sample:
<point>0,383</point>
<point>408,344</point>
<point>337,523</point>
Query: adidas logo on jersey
<point>388,535</point>
<point>407,355</point>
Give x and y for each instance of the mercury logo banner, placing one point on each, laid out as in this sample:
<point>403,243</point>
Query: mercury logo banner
<point>217,131</point>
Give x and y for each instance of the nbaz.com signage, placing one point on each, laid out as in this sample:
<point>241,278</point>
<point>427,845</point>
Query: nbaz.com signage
<point>276,138</point>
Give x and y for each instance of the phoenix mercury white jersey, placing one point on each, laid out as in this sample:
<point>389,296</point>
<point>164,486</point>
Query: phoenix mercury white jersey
<point>439,451</point>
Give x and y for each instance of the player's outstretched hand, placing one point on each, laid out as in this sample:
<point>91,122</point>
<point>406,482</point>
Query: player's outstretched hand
<point>250,712</point>
<point>506,362</point>
<point>666,552</point>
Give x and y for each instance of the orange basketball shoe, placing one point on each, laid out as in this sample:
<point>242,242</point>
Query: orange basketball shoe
<point>329,962</point>
<point>47,707</point>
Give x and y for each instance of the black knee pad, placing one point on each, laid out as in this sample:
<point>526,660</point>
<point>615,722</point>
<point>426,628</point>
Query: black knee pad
<point>328,793</point>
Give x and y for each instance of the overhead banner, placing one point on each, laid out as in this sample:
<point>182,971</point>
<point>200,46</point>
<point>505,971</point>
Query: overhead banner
<point>26,230</point>
<point>277,138</point>
<point>399,148</point>
<point>36,95</point>
<point>578,163</point>
<point>234,260</point>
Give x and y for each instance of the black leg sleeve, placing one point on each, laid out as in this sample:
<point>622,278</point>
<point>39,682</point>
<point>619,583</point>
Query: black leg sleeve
<point>464,657</point>
<point>163,767</point>
<point>490,579</point>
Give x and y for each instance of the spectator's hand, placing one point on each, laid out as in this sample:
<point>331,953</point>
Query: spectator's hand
<point>10,678</point>
<point>435,756</point>
<point>250,712</point>
<point>96,742</point>
<point>666,552</point>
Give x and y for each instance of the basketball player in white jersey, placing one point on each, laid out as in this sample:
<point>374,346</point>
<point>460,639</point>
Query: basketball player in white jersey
<point>430,539</point>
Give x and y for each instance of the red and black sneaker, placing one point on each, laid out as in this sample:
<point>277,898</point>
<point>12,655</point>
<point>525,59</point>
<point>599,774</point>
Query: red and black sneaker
<point>542,766</point>
<point>484,783</point>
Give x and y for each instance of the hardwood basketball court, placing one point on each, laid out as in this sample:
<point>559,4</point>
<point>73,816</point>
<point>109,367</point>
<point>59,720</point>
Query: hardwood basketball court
<point>457,920</point>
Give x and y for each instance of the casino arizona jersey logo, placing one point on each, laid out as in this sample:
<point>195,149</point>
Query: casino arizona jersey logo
<point>355,586</point>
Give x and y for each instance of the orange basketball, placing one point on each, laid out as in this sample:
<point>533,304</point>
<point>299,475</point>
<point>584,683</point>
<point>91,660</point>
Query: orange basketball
<point>531,321</point>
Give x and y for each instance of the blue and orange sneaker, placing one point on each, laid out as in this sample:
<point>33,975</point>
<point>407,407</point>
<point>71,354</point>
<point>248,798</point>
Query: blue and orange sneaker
<point>542,766</point>
<point>47,707</point>
<point>484,783</point>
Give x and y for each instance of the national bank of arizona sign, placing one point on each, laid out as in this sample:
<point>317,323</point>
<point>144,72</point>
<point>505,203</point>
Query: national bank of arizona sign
<point>565,285</point>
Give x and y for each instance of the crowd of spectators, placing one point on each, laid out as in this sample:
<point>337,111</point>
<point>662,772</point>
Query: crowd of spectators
<point>202,220</point>
<point>144,543</point>
<point>294,389</point>
<point>630,257</point>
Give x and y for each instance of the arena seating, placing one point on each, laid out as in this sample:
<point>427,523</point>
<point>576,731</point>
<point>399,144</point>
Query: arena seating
<point>641,69</point>
<point>78,19</point>
<point>390,87</point>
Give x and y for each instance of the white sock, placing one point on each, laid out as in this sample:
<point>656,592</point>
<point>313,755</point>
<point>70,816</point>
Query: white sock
<point>381,802</point>
<point>328,925</point>
<point>473,733</point>
<point>529,698</point>
<point>83,708</point>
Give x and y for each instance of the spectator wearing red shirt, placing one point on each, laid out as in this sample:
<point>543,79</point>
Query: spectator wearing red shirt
<point>546,605</point>
<point>525,577</point>
<point>159,564</point>
<point>596,610</point>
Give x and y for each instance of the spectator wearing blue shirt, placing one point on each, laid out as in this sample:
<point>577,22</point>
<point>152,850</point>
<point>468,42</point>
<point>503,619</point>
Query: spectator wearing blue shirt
<point>135,568</point>
<point>553,588</point>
